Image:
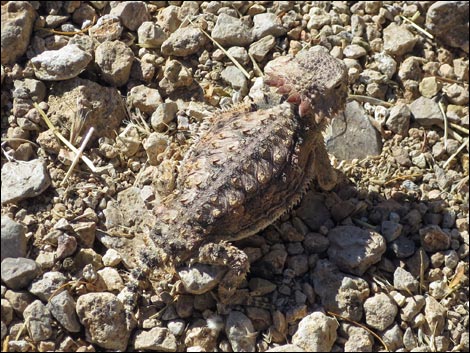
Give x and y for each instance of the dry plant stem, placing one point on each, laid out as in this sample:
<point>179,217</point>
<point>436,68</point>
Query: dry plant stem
<point>458,127</point>
<point>426,33</point>
<point>49,124</point>
<point>362,326</point>
<point>371,100</point>
<point>465,143</point>
<point>446,129</point>
<point>237,64</point>
<point>78,154</point>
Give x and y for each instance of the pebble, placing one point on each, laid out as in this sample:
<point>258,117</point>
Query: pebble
<point>448,21</point>
<point>380,311</point>
<point>412,307</point>
<point>267,24</point>
<point>14,241</point>
<point>350,291</point>
<point>402,247</point>
<point>260,287</point>
<point>23,180</point>
<point>62,307</point>
<point>386,64</point>
<point>312,210</point>
<point>435,315</point>
<point>104,319</point>
<point>66,246</point>
<point>270,264</point>
<point>403,280</point>
<point>47,284</point>
<point>155,145</point>
<point>240,54</point>
<point>114,60</point>
<point>354,51</point>
<point>38,321</point>
<point>200,278</point>
<point>233,76</point>
<point>457,94</point>
<point>19,300</point>
<point>261,48</point>
<point>354,249</point>
<point>426,112</point>
<point>315,243</point>
<point>429,87</point>
<point>17,273</point>
<point>184,41</point>
<point>433,238</point>
<point>286,348</point>
<point>107,28</point>
<point>316,333</point>
<point>158,339</point>
<point>110,279</point>
<point>131,13</point>
<point>398,120</point>
<point>359,340</point>
<point>111,258</point>
<point>359,140</point>
<point>398,40</point>
<point>230,31</point>
<point>17,25</point>
<point>151,34</point>
<point>62,64</point>
<point>391,230</point>
<point>393,338</point>
<point>240,332</point>
<point>144,98</point>
<point>7,311</point>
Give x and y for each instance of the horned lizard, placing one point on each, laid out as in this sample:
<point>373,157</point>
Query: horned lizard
<point>251,164</point>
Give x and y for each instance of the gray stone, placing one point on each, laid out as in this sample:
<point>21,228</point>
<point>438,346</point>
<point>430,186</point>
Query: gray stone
<point>398,40</point>
<point>380,311</point>
<point>350,291</point>
<point>315,243</point>
<point>402,247</point>
<point>433,238</point>
<point>233,76</point>
<point>240,332</point>
<point>391,230</point>
<point>19,300</point>
<point>286,348</point>
<point>448,21</point>
<point>157,339</point>
<point>105,320</point>
<point>23,180</point>
<point>163,116</point>
<point>386,64</point>
<point>114,60</point>
<point>108,27</point>
<point>262,47</point>
<point>429,87</point>
<point>403,280</point>
<point>18,272</point>
<point>426,112</point>
<point>435,314</point>
<point>393,338</point>
<point>230,31</point>
<point>47,284</point>
<point>260,286</point>
<point>17,25</point>
<point>312,210</point>
<point>353,136</point>
<point>398,120</point>
<point>62,307</point>
<point>131,13</point>
<point>7,311</point>
<point>62,64</point>
<point>184,41</point>
<point>14,242</point>
<point>145,98</point>
<point>240,54</point>
<point>151,34</point>
<point>316,333</point>
<point>354,249</point>
<point>38,321</point>
<point>354,51</point>
<point>200,278</point>
<point>267,24</point>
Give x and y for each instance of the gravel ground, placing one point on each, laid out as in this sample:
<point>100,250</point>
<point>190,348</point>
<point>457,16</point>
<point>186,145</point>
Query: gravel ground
<point>378,263</point>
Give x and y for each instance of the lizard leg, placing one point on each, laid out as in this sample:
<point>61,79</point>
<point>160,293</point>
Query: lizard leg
<point>227,255</point>
<point>324,172</point>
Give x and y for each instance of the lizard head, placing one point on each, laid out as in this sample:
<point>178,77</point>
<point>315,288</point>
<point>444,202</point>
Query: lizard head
<point>313,80</point>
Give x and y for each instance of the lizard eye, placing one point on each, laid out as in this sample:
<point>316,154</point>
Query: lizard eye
<point>338,85</point>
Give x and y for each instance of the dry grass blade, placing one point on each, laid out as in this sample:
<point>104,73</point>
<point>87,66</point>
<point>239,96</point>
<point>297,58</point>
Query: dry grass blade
<point>446,127</point>
<point>51,126</point>
<point>370,100</point>
<point>256,67</point>
<point>84,30</point>
<point>6,139</point>
<point>237,64</point>
<point>426,33</point>
<point>78,154</point>
<point>421,271</point>
<point>362,326</point>
<point>458,127</point>
<point>5,344</point>
<point>461,147</point>
<point>403,177</point>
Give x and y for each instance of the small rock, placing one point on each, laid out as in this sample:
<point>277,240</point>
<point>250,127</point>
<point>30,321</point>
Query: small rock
<point>286,348</point>
<point>391,230</point>
<point>114,60</point>
<point>402,247</point>
<point>426,112</point>
<point>393,338</point>
<point>260,286</point>
<point>448,21</point>
<point>298,264</point>
<point>399,119</point>
<point>359,140</point>
<point>38,321</point>
<point>18,272</point>
<point>200,278</point>
<point>354,51</point>
<point>435,314</point>
<point>62,307</point>
<point>151,34</point>
<point>22,180</point>
<point>403,280</point>
<point>155,144</point>
<point>108,27</point>
<point>398,40</point>
<point>270,264</point>
<point>19,300</point>
<point>353,249</point>
<point>315,243</point>
<point>380,311</point>
<point>359,340</point>
<point>111,258</point>
<point>412,307</point>
<point>66,246</point>
<point>267,24</point>
<point>184,41</point>
<point>318,18</point>
<point>230,31</point>
<point>233,76</point>
<point>110,279</point>
<point>131,13</point>
<point>105,321</point>
<point>163,116</point>
<point>14,242</point>
<point>175,75</point>
<point>157,339</point>
<point>312,210</point>
<point>429,87</point>
<point>47,284</point>
<point>240,54</point>
<point>316,333</point>
<point>17,25</point>
<point>262,47</point>
<point>386,64</point>
<point>457,94</point>
<point>62,64</point>
<point>240,332</point>
<point>433,238</point>
<point>342,209</point>
<point>144,98</point>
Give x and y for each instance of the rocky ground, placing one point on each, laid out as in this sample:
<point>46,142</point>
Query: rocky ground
<point>378,263</point>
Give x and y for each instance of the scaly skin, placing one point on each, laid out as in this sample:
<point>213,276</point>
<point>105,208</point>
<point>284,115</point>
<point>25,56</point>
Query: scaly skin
<point>252,164</point>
